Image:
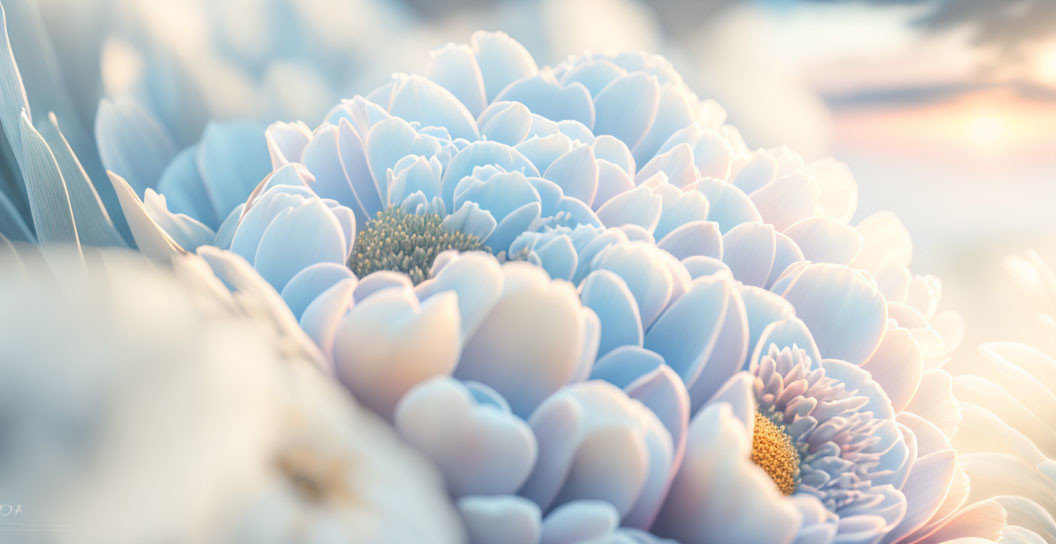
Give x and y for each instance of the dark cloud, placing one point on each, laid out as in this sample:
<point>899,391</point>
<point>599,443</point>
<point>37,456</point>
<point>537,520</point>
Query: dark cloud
<point>1007,25</point>
<point>902,96</point>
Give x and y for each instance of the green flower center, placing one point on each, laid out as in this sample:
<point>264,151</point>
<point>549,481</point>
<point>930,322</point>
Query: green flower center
<point>773,451</point>
<point>403,242</point>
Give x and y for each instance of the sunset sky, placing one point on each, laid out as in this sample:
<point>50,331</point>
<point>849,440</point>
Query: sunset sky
<point>945,111</point>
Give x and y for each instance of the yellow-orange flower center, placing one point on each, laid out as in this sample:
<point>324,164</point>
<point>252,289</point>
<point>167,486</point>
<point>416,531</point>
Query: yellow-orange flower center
<point>773,451</point>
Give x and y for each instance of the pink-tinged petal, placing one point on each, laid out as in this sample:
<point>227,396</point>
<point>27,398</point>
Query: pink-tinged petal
<point>825,240</point>
<point>929,482</point>
<point>1029,515</point>
<point>595,443</point>
<point>885,242</point>
<point>415,98</point>
<point>186,231</point>
<point>612,181</point>
<point>923,294</point>
<point>322,317</point>
<point>893,281</point>
<point>763,308</point>
<point>352,154</point>
<point>727,355</point>
<point>929,438</point>
<point>613,116</point>
<point>502,61</point>
<point>547,97</point>
<point>640,206</point>
<point>712,152</point>
<point>150,238</point>
<point>576,172</point>
<point>454,67</point>
<point>1028,372</point>
<point>625,364</point>
<point>696,238</point>
<point>728,205</point>
<point>983,520</point>
<point>935,402</point>
<point>309,283</point>
<point>698,266</point>
<point>951,506</point>
<point>505,519</point>
<point>543,150</point>
<point>286,142</point>
<point>719,495</point>
<point>997,474</point>
<point>605,293</point>
<point>786,200</point>
<point>475,277</point>
<point>786,255</point>
<point>641,266</point>
<point>687,330</point>
<point>983,431</point>
<point>613,150</point>
<point>282,251</point>
<point>737,393</point>
<point>679,208</point>
<point>478,154</point>
<point>897,366</point>
<point>846,314</point>
<point>754,171</point>
<point>523,357</point>
<point>482,450</point>
<point>748,249</point>
<point>589,352</point>
<point>388,142</point>
<point>390,342</point>
<point>505,122</point>
<point>983,392</point>
<point>380,281</point>
<point>837,188</point>
<point>674,112</point>
<point>663,392</point>
<point>580,521</point>
<point>677,164</point>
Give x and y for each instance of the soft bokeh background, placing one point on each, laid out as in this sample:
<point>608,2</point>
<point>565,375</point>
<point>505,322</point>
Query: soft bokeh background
<point>944,109</point>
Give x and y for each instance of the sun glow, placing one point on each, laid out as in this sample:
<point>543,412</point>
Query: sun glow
<point>1046,65</point>
<point>986,130</point>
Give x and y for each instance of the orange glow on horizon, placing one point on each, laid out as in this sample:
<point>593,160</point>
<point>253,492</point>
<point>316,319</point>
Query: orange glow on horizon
<point>988,127</point>
<point>1047,65</point>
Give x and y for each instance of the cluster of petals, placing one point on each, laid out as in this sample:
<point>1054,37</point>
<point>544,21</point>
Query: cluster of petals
<point>592,377</point>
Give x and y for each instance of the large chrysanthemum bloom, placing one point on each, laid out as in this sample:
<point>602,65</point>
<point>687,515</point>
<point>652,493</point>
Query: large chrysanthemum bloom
<point>751,248</point>
<point>174,384</point>
<point>582,402</point>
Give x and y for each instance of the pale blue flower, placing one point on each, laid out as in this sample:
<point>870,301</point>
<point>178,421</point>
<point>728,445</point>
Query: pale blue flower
<point>602,388</point>
<point>688,270</point>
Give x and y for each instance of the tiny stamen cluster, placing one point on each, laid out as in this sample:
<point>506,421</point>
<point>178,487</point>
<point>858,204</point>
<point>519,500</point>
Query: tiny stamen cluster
<point>403,242</point>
